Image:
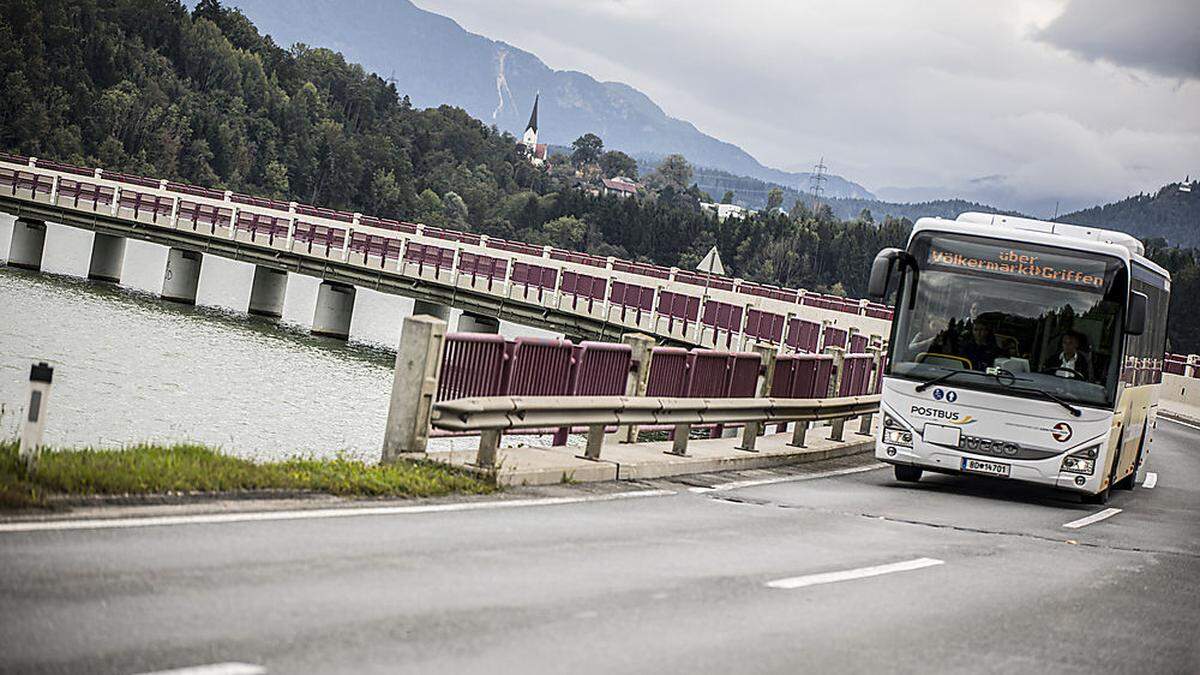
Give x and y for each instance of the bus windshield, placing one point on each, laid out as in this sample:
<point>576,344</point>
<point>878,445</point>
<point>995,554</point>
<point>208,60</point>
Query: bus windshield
<point>1049,319</point>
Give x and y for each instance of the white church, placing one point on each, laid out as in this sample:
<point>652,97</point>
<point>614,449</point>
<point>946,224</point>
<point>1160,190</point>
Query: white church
<point>537,151</point>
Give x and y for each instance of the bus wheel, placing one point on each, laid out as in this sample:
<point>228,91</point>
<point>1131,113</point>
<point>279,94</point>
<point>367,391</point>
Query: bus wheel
<point>908,474</point>
<point>1100,497</point>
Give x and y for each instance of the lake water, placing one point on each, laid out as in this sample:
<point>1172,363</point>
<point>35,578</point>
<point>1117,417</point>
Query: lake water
<point>129,367</point>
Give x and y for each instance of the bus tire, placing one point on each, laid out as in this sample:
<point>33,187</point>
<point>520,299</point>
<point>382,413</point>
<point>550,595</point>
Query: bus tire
<point>1100,497</point>
<point>908,474</point>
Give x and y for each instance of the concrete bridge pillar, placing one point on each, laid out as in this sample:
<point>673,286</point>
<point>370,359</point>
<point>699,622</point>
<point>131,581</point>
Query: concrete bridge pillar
<point>335,307</point>
<point>28,241</point>
<point>474,323</point>
<point>267,291</point>
<point>108,258</point>
<point>182,276</point>
<point>431,309</point>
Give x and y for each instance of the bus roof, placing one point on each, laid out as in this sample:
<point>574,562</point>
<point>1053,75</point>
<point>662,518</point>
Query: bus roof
<point>1062,229</point>
<point>1087,238</point>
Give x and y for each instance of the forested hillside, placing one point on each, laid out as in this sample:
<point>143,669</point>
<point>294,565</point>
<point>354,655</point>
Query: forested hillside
<point>1172,213</point>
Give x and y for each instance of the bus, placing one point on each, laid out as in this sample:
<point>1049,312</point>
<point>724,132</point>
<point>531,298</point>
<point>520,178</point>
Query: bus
<point>1022,350</point>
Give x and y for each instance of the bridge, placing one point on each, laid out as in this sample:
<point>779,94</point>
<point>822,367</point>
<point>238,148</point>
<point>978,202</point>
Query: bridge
<point>490,279</point>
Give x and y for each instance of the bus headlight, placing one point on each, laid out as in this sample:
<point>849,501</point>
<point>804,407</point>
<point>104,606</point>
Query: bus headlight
<point>894,433</point>
<point>1082,461</point>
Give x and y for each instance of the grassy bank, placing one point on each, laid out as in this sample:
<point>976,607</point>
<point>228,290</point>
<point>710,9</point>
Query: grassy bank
<point>155,469</point>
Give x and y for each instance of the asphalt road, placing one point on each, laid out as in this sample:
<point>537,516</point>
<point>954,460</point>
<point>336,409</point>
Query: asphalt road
<point>667,583</point>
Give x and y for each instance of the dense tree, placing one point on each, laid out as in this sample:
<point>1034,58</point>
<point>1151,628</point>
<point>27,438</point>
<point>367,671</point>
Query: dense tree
<point>672,172</point>
<point>728,198</point>
<point>587,150</point>
<point>774,199</point>
<point>616,163</point>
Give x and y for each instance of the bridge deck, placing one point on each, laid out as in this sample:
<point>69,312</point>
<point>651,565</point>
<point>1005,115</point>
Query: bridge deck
<point>573,293</point>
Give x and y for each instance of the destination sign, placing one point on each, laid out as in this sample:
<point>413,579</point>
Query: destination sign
<point>1012,262</point>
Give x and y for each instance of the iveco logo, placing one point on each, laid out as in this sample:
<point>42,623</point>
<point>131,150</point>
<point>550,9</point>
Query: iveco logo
<point>988,446</point>
<point>1061,432</point>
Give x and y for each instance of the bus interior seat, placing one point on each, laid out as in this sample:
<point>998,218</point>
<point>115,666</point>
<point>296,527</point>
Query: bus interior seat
<point>944,360</point>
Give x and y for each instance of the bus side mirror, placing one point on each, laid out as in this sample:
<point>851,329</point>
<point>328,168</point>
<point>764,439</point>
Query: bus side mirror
<point>1135,319</point>
<point>881,271</point>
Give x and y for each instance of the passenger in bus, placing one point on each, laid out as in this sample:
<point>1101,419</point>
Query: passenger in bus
<point>983,348</point>
<point>929,337</point>
<point>1071,361</point>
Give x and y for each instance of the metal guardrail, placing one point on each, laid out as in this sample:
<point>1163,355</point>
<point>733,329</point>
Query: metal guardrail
<point>493,415</point>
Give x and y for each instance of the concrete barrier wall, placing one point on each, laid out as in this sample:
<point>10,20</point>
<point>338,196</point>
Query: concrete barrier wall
<point>1180,396</point>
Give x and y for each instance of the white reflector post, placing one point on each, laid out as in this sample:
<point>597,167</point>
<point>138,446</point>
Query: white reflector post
<point>40,376</point>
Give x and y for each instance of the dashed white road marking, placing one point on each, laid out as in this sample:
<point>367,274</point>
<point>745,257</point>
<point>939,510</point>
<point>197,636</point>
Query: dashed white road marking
<point>737,484</point>
<point>859,573</point>
<point>312,514</point>
<point>231,668</point>
<point>1179,422</point>
<point>1151,480</point>
<point>1094,518</point>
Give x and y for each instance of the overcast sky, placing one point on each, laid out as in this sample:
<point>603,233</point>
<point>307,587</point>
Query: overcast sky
<point>1083,100</point>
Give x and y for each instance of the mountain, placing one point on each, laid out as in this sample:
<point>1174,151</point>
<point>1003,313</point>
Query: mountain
<point>752,193</point>
<point>1172,213</point>
<point>995,189</point>
<point>435,61</point>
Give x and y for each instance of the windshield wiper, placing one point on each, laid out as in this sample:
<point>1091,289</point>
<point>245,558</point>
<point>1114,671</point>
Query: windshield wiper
<point>940,379</point>
<point>1070,408</point>
<point>1001,376</point>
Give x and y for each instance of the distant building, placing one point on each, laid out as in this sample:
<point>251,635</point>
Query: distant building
<point>536,151</point>
<point>620,186</point>
<point>723,211</point>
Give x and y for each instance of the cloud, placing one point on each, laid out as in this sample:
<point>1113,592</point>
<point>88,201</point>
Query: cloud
<point>1160,36</point>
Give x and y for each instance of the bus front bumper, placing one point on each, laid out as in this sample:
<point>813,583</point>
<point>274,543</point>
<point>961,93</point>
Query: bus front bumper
<point>941,460</point>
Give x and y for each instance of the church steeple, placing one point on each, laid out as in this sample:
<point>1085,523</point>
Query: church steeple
<point>537,151</point>
<point>533,116</point>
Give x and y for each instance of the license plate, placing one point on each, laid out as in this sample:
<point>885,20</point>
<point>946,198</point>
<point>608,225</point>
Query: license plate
<point>980,466</point>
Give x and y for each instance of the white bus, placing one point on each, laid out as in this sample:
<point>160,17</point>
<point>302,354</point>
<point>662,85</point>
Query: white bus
<point>1021,349</point>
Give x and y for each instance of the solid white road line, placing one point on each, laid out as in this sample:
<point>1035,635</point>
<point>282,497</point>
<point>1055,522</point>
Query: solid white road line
<point>1094,518</point>
<point>309,514</point>
<point>231,668</point>
<point>860,573</point>
<point>735,485</point>
<point>1151,480</point>
<point>1179,422</point>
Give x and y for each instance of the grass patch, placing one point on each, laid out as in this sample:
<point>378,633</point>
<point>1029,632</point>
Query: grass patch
<point>157,469</point>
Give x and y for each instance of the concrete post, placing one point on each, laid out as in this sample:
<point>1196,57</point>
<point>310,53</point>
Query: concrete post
<point>766,377</point>
<point>421,307</point>
<point>476,323</point>
<point>108,258</point>
<point>798,435</point>
<point>864,426</point>
<point>335,308</point>
<point>680,442</point>
<point>489,446</point>
<point>267,291</point>
<point>28,241</point>
<point>182,276</point>
<point>839,362</point>
<point>595,441</point>
<point>414,386</point>
<point>40,376</point>
<point>641,351</point>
